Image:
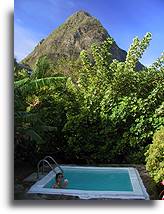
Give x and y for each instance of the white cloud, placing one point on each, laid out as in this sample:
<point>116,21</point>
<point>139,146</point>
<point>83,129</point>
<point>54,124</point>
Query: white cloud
<point>24,41</point>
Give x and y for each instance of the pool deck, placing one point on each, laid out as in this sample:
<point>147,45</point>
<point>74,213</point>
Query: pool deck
<point>25,178</point>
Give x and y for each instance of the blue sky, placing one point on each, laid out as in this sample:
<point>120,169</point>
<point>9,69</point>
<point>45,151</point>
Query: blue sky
<point>123,19</point>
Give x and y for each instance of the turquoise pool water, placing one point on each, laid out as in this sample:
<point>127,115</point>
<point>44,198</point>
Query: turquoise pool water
<point>96,179</point>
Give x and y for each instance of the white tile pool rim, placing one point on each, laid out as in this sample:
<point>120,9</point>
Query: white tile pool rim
<point>139,191</point>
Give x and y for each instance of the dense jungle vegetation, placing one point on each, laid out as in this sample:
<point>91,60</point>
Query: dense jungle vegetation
<point>108,113</point>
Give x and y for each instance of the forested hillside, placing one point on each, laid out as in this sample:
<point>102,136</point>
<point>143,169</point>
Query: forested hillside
<point>63,46</point>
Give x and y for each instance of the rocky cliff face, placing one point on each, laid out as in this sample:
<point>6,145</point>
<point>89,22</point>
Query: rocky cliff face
<point>78,32</point>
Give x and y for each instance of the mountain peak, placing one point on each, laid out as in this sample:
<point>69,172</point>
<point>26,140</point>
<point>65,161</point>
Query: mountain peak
<point>81,13</point>
<point>78,33</point>
<point>80,17</point>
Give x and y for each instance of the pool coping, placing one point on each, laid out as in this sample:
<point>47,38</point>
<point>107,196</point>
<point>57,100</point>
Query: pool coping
<point>139,191</point>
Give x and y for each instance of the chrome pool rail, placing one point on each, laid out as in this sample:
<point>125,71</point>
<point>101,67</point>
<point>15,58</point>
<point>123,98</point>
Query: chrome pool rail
<point>45,162</point>
<point>55,163</point>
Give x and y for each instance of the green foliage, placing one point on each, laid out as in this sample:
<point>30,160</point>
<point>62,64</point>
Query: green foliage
<point>41,69</point>
<point>67,68</point>
<point>107,114</point>
<point>118,106</point>
<point>155,156</point>
<point>19,72</point>
<point>136,51</point>
<point>31,128</point>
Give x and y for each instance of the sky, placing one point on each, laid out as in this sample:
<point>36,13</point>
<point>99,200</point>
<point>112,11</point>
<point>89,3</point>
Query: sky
<point>123,19</point>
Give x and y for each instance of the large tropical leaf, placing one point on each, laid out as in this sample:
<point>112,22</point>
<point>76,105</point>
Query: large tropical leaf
<point>26,116</point>
<point>20,83</point>
<point>34,136</point>
<point>34,85</point>
<point>48,128</point>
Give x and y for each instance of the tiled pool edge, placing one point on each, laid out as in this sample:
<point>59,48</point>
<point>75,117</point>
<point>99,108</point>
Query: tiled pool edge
<point>142,186</point>
<point>139,191</point>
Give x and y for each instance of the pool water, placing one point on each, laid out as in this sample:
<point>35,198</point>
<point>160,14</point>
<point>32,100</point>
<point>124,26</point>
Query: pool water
<point>96,179</point>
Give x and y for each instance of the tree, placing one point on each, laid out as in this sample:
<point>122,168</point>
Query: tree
<point>108,115</point>
<point>155,156</point>
<point>30,127</point>
<point>117,111</point>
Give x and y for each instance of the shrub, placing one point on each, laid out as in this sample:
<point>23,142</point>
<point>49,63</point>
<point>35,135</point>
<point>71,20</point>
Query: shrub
<point>106,113</point>
<point>155,156</point>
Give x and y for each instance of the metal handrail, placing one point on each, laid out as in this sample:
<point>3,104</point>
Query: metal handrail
<point>38,166</point>
<point>47,162</point>
<point>49,157</point>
